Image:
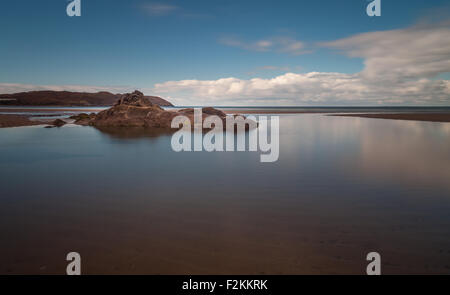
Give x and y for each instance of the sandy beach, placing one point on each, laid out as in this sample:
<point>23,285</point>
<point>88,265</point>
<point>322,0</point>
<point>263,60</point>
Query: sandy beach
<point>17,121</point>
<point>430,117</point>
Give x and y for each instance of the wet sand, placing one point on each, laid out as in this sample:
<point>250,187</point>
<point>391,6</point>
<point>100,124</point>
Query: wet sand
<point>430,117</point>
<point>191,237</point>
<point>271,111</point>
<point>424,116</point>
<point>17,121</point>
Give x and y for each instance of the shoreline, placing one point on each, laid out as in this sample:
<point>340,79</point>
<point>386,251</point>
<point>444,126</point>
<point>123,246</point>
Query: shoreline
<point>426,117</point>
<point>23,119</point>
<point>7,121</point>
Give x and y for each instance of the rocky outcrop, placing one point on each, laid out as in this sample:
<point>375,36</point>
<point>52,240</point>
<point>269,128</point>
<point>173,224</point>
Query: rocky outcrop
<point>68,98</point>
<point>83,119</point>
<point>206,111</point>
<point>58,123</point>
<point>136,99</point>
<point>135,110</point>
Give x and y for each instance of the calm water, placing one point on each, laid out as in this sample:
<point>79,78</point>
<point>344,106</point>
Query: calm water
<point>342,187</point>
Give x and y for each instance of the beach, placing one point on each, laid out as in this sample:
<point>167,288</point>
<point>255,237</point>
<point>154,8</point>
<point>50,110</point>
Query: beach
<point>429,117</point>
<point>16,121</point>
<point>9,117</point>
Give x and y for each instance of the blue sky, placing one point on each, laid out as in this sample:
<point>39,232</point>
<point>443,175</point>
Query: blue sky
<point>137,44</point>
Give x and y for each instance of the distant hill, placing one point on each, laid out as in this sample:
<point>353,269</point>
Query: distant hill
<point>67,98</point>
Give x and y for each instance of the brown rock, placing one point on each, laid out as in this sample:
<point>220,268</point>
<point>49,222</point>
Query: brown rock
<point>136,99</point>
<point>135,110</point>
<point>83,118</point>
<point>213,111</point>
<point>58,123</point>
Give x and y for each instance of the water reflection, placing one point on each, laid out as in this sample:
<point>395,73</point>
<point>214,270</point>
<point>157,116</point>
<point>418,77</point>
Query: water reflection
<point>411,152</point>
<point>133,133</point>
<point>387,150</point>
<point>341,187</point>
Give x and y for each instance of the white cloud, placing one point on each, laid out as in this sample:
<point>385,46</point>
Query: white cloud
<point>309,88</point>
<point>275,44</point>
<point>401,67</point>
<point>421,51</point>
<point>159,9</point>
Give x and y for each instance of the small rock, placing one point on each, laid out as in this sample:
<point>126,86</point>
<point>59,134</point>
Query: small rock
<point>58,123</point>
<point>136,99</point>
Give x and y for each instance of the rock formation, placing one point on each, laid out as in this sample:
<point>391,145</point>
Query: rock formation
<point>135,110</point>
<point>58,123</point>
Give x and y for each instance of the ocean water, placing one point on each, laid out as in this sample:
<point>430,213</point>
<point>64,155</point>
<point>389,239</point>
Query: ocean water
<point>342,187</point>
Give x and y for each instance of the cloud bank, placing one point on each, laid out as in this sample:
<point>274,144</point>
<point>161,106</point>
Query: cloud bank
<point>311,88</point>
<point>401,67</point>
<point>409,53</point>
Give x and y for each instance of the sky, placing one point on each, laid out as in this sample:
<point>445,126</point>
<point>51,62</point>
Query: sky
<point>286,53</point>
